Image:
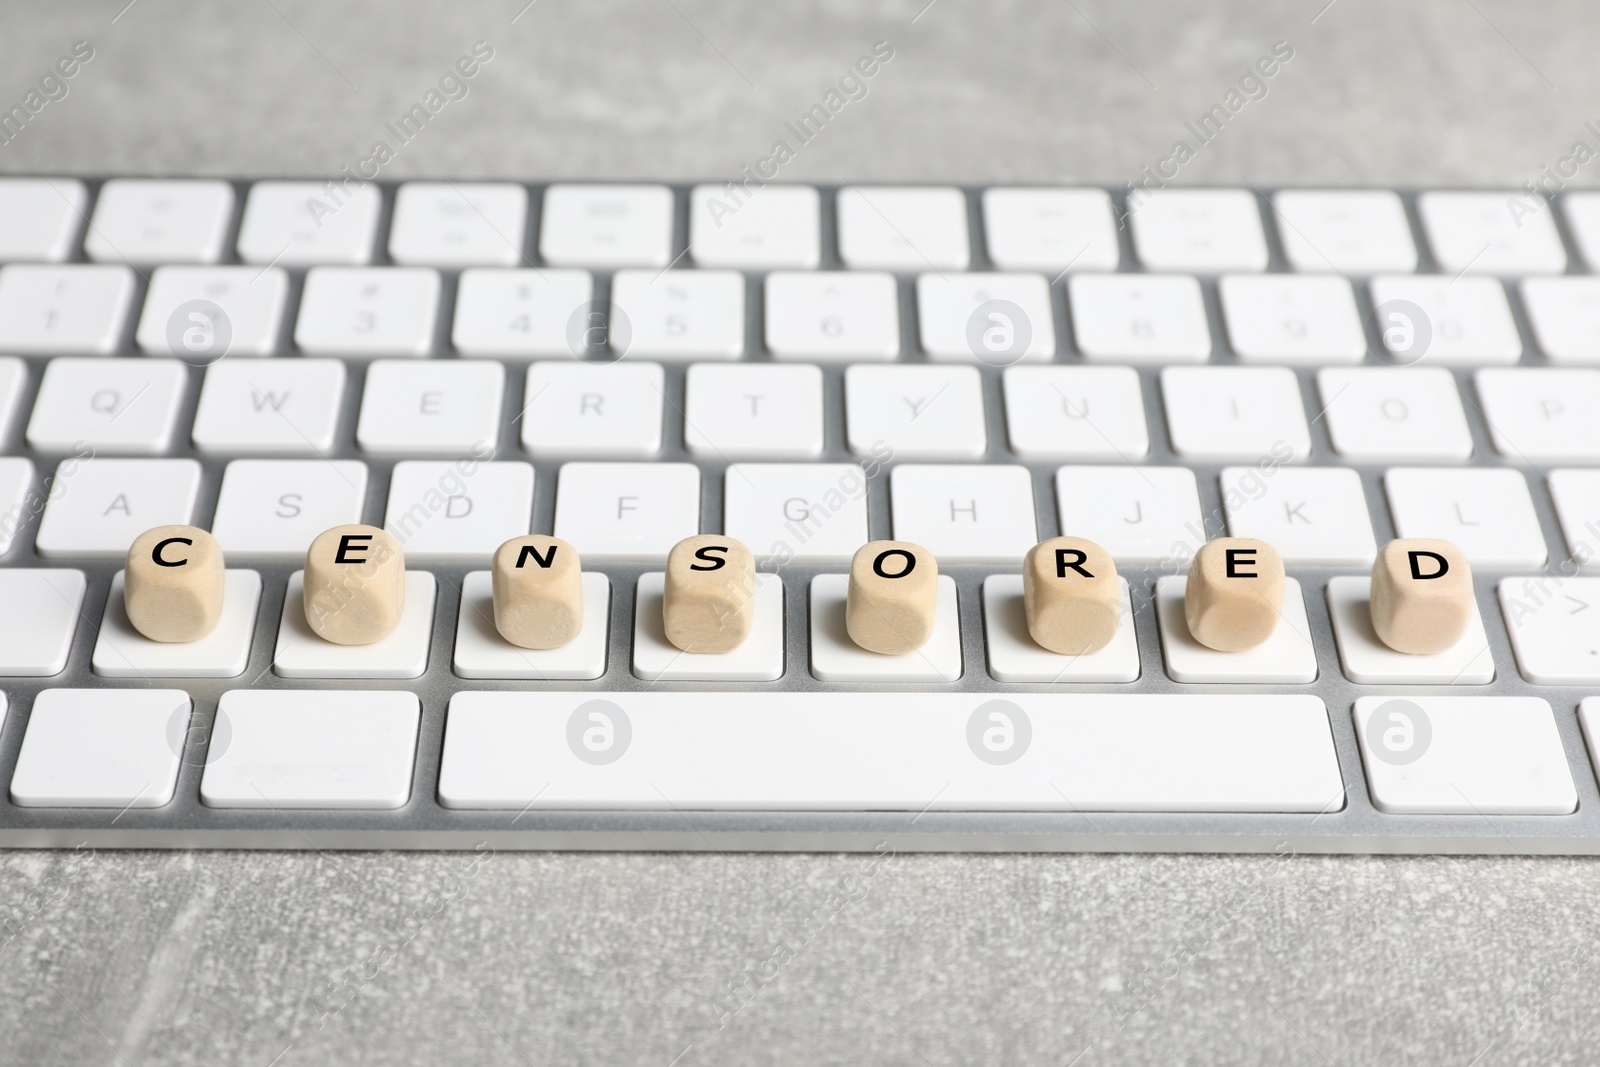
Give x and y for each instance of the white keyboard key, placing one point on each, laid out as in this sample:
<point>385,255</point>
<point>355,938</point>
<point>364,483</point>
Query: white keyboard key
<point>1207,231</point>
<point>759,659</point>
<point>300,653</point>
<point>1368,661</point>
<point>796,512</point>
<point>1249,413</point>
<point>997,319</point>
<point>1139,318</point>
<point>1138,514</point>
<point>481,652</point>
<point>13,377</point>
<point>606,226</point>
<point>512,313</point>
<point>441,511</point>
<point>120,651</point>
<point>1075,412</point>
<point>1589,718</point>
<point>98,506</point>
<point>836,658</point>
<point>1309,514</point>
<point>762,410</point>
<point>451,224</point>
<point>1014,656</point>
<point>431,407</point>
<point>271,406</point>
<point>1427,317</point>
<point>1478,756</point>
<point>1554,624</point>
<point>920,412</point>
<point>1583,218</point>
<point>1292,318</point>
<point>36,629</point>
<point>750,229</point>
<point>903,228</point>
<point>18,502</point>
<point>43,217</point>
<point>1287,657</point>
<point>366,745</point>
<point>1576,495</point>
<point>1394,413</point>
<point>69,309</point>
<point>304,223</point>
<point>678,314</point>
<point>1541,413</point>
<point>1486,512</point>
<point>888,751</point>
<point>1050,229</point>
<point>627,511</point>
<point>107,405</point>
<point>1348,231</point>
<point>203,313</point>
<point>275,508</point>
<point>1565,315</point>
<point>101,748</point>
<point>154,220</point>
<point>1477,233</point>
<point>965,513</point>
<point>593,409</point>
<point>832,315</point>
<point>368,311</point>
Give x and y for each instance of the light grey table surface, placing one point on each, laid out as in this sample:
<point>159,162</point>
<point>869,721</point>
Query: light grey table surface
<point>257,959</point>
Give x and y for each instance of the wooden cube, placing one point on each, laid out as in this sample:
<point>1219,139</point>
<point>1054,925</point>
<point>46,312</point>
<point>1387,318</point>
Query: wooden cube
<point>1234,596</point>
<point>538,591</point>
<point>1422,599</point>
<point>355,585</point>
<point>893,592</point>
<point>173,583</point>
<point>1071,595</point>
<point>708,599</point>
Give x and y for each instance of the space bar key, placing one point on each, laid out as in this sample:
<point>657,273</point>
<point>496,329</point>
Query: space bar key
<point>888,752</point>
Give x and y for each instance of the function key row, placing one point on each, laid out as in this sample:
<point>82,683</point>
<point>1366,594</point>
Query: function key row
<point>416,408</point>
<point>202,313</point>
<point>750,225</point>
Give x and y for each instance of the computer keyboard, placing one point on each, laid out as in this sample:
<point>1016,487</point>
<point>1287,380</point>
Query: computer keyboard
<point>882,401</point>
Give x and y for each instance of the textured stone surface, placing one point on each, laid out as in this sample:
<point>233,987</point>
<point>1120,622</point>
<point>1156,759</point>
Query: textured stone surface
<point>223,958</point>
<point>381,958</point>
<point>1378,90</point>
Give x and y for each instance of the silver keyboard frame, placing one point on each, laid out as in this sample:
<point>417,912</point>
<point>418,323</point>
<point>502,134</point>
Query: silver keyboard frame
<point>423,824</point>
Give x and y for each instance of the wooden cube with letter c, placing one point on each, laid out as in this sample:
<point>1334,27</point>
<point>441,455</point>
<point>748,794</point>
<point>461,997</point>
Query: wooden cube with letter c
<point>174,583</point>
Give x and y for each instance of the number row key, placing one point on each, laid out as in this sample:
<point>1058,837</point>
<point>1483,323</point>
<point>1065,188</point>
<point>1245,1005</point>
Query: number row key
<point>204,312</point>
